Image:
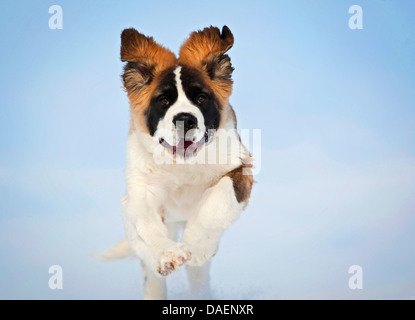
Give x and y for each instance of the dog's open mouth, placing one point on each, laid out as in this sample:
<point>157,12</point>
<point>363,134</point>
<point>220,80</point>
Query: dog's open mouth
<point>185,147</point>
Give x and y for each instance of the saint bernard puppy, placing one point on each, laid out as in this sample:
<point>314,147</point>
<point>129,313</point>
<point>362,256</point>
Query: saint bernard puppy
<point>188,174</point>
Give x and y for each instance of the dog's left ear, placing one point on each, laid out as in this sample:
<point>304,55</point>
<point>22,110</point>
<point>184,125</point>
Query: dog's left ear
<point>206,50</point>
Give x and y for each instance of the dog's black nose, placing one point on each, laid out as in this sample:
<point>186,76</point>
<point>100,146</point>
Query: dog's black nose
<point>185,120</point>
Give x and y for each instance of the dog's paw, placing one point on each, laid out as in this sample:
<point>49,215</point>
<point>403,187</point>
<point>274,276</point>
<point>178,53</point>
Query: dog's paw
<point>173,258</point>
<point>201,255</point>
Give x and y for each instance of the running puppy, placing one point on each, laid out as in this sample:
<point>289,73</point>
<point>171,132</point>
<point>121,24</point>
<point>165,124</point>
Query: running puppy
<point>186,166</point>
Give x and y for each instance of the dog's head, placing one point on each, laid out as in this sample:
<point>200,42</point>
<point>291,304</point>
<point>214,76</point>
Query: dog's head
<point>178,103</point>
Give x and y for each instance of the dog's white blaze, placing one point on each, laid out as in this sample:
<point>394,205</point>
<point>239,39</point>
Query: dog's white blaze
<point>166,128</point>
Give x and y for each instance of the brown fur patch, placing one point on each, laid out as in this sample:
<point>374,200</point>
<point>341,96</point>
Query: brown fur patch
<point>136,47</point>
<point>204,50</point>
<point>242,182</point>
<point>203,43</point>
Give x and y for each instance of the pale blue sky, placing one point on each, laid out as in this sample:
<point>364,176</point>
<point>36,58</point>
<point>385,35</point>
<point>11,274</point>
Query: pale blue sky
<point>336,108</point>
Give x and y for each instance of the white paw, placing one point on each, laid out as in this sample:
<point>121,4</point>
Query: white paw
<point>172,258</point>
<point>201,255</point>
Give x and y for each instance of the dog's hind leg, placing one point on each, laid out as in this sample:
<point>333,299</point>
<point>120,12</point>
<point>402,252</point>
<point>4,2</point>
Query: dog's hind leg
<point>199,281</point>
<point>154,285</point>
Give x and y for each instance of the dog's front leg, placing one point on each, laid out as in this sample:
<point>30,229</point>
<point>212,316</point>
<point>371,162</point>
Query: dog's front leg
<point>220,206</point>
<point>148,235</point>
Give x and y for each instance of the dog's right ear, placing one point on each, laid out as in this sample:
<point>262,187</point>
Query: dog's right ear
<point>145,59</point>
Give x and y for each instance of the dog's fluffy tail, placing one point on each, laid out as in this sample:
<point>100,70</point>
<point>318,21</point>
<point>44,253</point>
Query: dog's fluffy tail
<point>119,251</point>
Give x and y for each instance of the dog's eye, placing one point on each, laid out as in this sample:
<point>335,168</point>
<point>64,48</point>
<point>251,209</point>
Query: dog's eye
<point>164,101</point>
<point>201,98</point>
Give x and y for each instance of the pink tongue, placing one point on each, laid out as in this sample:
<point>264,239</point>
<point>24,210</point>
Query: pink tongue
<point>183,145</point>
<point>187,144</point>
